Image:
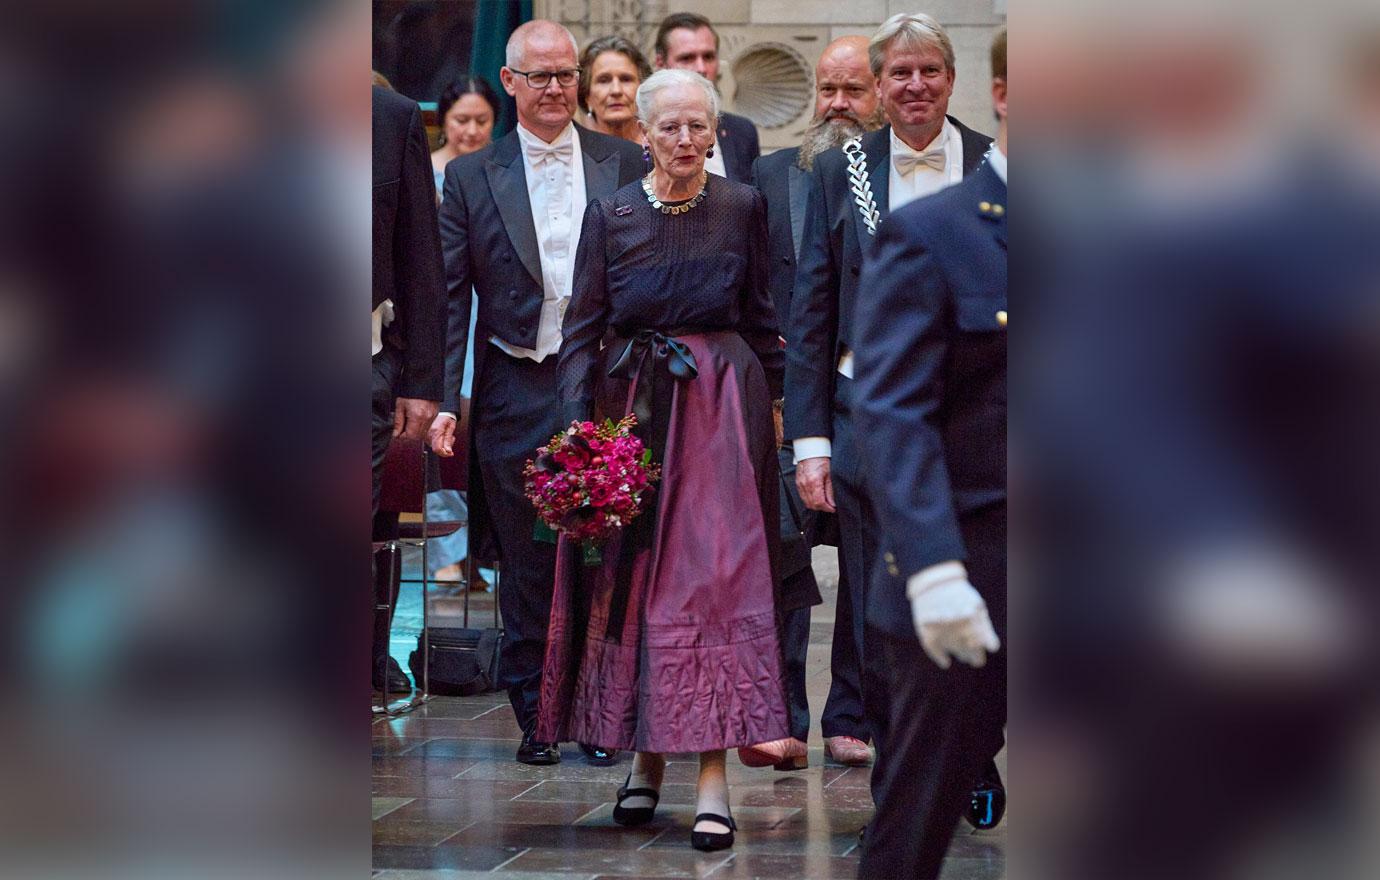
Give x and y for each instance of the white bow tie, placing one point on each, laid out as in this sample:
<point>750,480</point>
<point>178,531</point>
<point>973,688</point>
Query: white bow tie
<point>907,160</point>
<point>539,152</point>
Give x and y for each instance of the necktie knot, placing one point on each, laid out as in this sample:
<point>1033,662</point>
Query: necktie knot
<point>907,160</point>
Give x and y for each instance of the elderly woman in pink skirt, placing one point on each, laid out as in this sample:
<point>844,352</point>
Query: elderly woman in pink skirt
<point>669,643</point>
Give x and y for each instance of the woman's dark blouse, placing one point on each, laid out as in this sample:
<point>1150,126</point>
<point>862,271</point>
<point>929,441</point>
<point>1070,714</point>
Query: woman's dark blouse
<point>640,268</point>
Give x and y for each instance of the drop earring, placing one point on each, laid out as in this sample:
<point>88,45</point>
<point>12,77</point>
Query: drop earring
<point>709,153</point>
<point>646,154</point>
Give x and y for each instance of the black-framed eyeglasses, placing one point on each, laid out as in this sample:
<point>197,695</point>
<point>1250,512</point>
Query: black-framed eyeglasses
<point>540,79</point>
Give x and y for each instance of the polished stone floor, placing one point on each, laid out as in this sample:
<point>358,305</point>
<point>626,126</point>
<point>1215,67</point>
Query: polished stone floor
<point>449,801</point>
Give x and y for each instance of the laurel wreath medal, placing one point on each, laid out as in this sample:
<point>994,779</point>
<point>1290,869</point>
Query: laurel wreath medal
<point>861,186</point>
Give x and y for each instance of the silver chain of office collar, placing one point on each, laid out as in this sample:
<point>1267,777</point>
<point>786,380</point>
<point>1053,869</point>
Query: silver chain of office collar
<point>861,186</point>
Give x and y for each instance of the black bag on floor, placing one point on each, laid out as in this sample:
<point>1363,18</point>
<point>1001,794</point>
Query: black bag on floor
<point>463,660</point>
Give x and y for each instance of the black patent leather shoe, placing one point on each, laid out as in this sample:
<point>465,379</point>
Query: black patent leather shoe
<point>709,841</point>
<point>988,802</point>
<point>634,815</point>
<point>539,754</point>
<point>598,757</point>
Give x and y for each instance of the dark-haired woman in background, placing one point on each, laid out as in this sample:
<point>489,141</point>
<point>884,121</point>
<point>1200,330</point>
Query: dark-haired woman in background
<point>611,69</point>
<point>467,112</point>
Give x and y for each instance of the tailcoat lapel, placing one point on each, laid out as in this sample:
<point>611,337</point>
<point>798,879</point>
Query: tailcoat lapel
<point>877,148</point>
<point>508,183</point>
<point>601,171</point>
<point>799,194</point>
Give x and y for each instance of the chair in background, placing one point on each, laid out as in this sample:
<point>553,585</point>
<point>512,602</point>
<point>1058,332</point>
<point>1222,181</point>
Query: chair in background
<point>404,487</point>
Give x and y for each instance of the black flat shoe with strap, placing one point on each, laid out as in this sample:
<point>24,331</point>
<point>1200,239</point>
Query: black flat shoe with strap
<point>634,815</point>
<point>709,841</point>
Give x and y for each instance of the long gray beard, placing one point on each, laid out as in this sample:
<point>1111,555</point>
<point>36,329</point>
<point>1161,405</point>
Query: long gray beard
<point>823,135</point>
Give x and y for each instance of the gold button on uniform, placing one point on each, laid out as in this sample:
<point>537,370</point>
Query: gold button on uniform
<point>888,557</point>
<point>1001,318</point>
<point>893,571</point>
<point>984,207</point>
<point>998,210</point>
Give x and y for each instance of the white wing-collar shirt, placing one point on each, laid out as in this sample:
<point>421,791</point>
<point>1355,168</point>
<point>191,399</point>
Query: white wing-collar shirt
<point>911,180</point>
<point>556,191</point>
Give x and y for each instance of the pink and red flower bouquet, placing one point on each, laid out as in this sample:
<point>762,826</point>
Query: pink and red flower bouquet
<point>590,481</point>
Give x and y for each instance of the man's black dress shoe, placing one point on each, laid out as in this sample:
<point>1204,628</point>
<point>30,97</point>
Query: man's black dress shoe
<point>988,802</point>
<point>398,682</point>
<point>598,757</point>
<point>537,753</point>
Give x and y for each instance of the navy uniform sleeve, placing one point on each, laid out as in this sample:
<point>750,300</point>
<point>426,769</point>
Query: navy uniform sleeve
<point>903,342</point>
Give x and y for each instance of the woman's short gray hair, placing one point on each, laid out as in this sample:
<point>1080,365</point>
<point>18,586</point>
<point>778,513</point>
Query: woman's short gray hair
<point>909,29</point>
<point>653,86</point>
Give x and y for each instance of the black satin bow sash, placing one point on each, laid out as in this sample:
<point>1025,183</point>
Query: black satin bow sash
<point>656,361</point>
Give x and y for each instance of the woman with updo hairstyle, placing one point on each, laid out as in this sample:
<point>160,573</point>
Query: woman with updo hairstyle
<point>611,69</point>
<point>668,644</point>
<point>466,113</point>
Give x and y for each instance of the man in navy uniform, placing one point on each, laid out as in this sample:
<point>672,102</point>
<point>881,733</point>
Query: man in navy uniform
<point>921,152</point>
<point>846,106</point>
<point>510,226</point>
<point>688,41</point>
<point>930,403</point>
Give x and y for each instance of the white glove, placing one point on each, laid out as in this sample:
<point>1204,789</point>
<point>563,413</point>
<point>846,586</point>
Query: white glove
<point>950,617</point>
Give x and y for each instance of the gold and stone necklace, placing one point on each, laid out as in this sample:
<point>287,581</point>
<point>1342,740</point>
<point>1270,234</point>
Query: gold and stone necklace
<point>674,209</point>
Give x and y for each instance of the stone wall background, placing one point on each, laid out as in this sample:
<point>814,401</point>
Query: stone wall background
<point>772,46</point>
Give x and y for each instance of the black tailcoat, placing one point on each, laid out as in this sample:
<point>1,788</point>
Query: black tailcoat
<point>407,248</point>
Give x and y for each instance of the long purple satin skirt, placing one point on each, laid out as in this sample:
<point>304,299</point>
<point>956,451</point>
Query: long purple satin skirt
<point>696,665</point>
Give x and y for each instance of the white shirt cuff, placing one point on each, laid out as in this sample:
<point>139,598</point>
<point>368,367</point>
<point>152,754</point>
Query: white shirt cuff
<point>812,447</point>
<point>382,317</point>
<point>446,415</point>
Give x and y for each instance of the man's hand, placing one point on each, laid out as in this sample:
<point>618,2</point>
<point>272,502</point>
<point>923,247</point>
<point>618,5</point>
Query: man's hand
<point>813,481</point>
<point>442,435</point>
<point>412,416</point>
<point>950,617</point>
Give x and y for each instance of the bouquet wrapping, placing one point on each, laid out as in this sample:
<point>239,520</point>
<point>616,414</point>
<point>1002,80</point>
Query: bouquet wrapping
<point>591,480</point>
